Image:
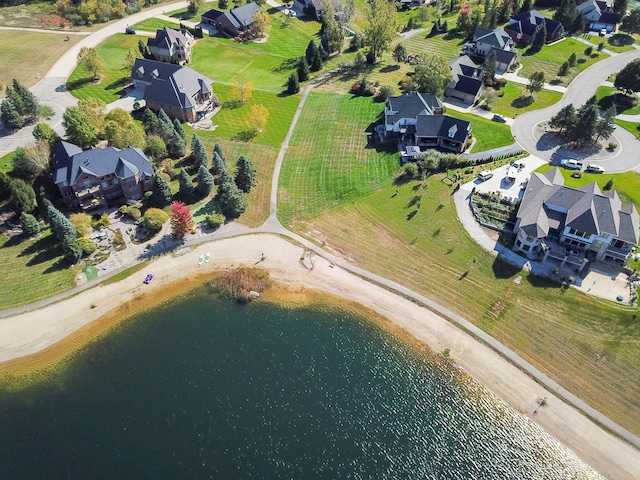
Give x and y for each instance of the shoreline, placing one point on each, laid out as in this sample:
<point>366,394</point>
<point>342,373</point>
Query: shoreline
<point>31,332</point>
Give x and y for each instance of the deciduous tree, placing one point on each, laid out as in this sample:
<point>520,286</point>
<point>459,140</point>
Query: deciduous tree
<point>90,60</point>
<point>628,79</point>
<point>380,27</point>
<point>241,90</point>
<point>489,71</point>
<point>631,23</point>
<point>181,220</point>
<point>399,53</point>
<point>536,82</point>
<point>31,160</point>
<point>79,128</point>
<point>44,132</point>
<point>432,75</point>
<point>332,36</point>
<point>259,115</point>
<point>122,131</point>
<point>130,59</point>
<point>261,24</point>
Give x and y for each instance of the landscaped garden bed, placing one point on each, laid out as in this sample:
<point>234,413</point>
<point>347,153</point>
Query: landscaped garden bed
<point>494,211</point>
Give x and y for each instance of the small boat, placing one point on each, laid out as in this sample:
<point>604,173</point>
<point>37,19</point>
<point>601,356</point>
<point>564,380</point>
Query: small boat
<point>201,259</point>
<point>254,294</point>
<point>207,257</point>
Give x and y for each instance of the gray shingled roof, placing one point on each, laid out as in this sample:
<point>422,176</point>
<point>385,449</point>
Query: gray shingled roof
<point>548,203</point>
<point>170,36</point>
<point>410,105</point>
<point>243,16</point>
<point>440,126</point>
<point>170,84</point>
<point>100,162</point>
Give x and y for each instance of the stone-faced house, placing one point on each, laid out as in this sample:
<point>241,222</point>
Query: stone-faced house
<point>180,91</point>
<point>574,224</point>
<point>599,15</point>
<point>88,179</point>
<point>485,41</point>
<point>467,83</point>
<point>416,119</point>
<point>236,21</point>
<point>171,45</point>
<point>523,27</point>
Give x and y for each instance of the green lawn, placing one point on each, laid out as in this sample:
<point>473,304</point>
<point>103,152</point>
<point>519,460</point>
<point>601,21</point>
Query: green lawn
<point>551,57</point>
<point>488,134</point>
<point>627,184</point>
<point>328,162</point>
<point>448,46</point>
<point>509,105</point>
<point>33,270</point>
<point>605,98</point>
<point>113,51</point>
<point>153,24</point>
<point>6,162</point>
<point>630,126</point>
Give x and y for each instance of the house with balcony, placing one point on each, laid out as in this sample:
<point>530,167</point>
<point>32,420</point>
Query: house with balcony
<point>575,225</point>
<point>89,179</point>
<point>485,41</point>
<point>416,119</point>
<point>180,91</point>
<point>171,45</point>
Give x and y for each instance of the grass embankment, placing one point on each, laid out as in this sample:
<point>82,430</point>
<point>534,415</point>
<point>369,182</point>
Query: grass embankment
<point>28,56</point>
<point>605,100</point>
<point>32,270</point>
<point>341,195</point>
<point>510,104</point>
<point>488,134</point>
<point>630,126</point>
<point>551,57</point>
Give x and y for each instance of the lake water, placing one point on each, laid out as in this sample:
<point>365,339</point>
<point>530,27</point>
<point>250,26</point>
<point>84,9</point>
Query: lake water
<point>205,388</point>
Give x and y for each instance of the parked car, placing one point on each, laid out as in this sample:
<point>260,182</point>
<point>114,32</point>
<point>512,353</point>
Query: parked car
<point>499,118</point>
<point>593,168</point>
<point>485,175</point>
<point>148,278</point>
<point>603,32</point>
<point>571,164</point>
<point>518,165</point>
<point>130,31</point>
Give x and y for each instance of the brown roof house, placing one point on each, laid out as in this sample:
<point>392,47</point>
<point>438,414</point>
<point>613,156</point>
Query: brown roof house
<point>416,119</point>
<point>523,27</point>
<point>236,21</point>
<point>574,225</point>
<point>171,45</point>
<point>88,179</point>
<point>467,83</point>
<point>180,91</point>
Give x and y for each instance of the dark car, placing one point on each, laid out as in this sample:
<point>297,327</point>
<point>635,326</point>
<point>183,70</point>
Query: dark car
<point>148,278</point>
<point>130,31</point>
<point>499,118</point>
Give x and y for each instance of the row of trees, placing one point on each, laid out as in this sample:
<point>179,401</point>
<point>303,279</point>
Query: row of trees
<point>584,126</point>
<point>20,106</point>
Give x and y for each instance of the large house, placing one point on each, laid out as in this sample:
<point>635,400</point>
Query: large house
<point>524,27</point>
<point>180,91</point>
<point>485,41</point>
<point>467,80</point>
<point>416,119</point>
<point>234,22</point>
<point>599,15</point>
<point>89,179</point>
<point>171,45</point>
<point>574,224</point>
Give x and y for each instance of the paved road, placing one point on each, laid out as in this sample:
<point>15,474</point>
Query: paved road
<point>534,139</point>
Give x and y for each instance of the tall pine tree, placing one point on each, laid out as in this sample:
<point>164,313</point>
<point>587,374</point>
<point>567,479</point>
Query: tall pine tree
<point>186,185</point>
<point>205,181</point>
<point>161,195</point>
<point>245,174</point>
<point>198,152</point>
<point>231,199</point>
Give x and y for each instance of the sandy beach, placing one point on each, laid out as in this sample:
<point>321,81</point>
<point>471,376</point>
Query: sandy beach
<point>32,332</point>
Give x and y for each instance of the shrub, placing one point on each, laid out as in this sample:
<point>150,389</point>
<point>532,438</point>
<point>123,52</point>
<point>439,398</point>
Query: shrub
<point>134,213</point>
<point>612,145</point>
<point>102,221</point>
<point>609,184</point>
<point>384,92</point>
<point>154,218</point>
<point>87,246</point>
<point>588,51</point>
<point>215,220</point>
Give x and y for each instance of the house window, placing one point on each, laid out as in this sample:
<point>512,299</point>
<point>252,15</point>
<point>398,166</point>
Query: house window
<point>116,181</point>
<point>104,185</point>
<point>526,248</point>
<point>529,238</point>
<point>597,245</point>
<point>604,235</point>
<point>518,243</point>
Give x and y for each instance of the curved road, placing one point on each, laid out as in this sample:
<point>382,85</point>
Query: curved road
<point>51,89</point>
<point>536,142</point>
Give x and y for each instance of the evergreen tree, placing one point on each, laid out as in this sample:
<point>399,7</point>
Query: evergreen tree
<point>186,185</point>
<point>218,164</point>
<point>566,13</point>
<point>143,49</point>
<point>177,126</point>
<point>23,198</point>
<point>584,129</point>
<point>218,148</point>
<point>165,126</point>
<point>540,39</point>
<point>245,174</point>
<point>29,224</point>
<point>231,199</point>
<point>11,117</point>
<point>161,195</point>
<point>504,11</point>
<point>293,86</point>
<point>176,146</point>
<point>5,185</point>
<point>205,181</point>
<point>564,69</point>
<point>60,225</point>
<point>198,152</point>
<point>30,106</point>
<point>313,57</point>
<point>303,70</point>
<point>565,119</point>
<point>150,121</point>
<point>606,125</point>
<point>572,60</point>
<point>489,71</point>
<point>620,6</point>
<point>526,6</point>
<point>72,250</point>
<point>579,23</point>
